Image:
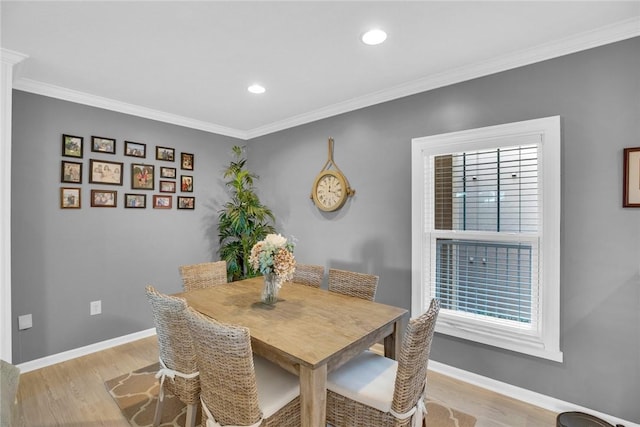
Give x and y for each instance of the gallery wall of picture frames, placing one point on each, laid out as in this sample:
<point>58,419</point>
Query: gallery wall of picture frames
<point>103,171</point>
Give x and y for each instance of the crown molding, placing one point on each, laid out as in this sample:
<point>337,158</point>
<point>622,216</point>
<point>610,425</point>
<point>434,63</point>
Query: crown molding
<point>12,57</point>
<point>605,35</point>
<point>609,34</point>
<point>83,98</point>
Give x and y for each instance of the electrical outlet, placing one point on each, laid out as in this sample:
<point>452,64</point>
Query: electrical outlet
<point>25,322</point>
<point>95,307</point>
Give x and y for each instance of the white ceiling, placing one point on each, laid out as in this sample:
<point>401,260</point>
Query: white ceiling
<point>190,63</point>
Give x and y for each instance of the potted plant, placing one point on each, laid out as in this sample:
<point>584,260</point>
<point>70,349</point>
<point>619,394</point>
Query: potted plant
<point>243,221</point>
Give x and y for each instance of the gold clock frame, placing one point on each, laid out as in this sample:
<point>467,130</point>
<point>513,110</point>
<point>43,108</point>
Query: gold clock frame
<point>337,173</point>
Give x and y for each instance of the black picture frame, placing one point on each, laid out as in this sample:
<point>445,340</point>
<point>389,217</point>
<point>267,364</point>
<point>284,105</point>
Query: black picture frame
<point>135,149</point>
<point>186,183</point>
<point>165,154</point>
<point>105,172</point>
<point>169,173</point>
<point>135,201</point>
<point>186,202</point>
<point>101,144</point>
<point>142,176</point>
<point>72,146</point>
<point>186,161</point>
<point>71,172</point>
<point>104,199</point>
<point>631,183</point>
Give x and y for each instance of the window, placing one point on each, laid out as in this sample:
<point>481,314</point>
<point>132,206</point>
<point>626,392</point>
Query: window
<point>486,234</point>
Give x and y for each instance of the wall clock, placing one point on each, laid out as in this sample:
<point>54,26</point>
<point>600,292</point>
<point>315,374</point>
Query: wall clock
<point>330,188</point>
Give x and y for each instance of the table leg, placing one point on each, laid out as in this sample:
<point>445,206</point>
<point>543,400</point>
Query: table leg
<point>393,342</point>
<point>313,396</point>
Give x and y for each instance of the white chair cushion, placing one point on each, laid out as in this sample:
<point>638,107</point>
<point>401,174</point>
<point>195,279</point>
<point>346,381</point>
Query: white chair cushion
<point>368,378</point>
<point>276,387</point>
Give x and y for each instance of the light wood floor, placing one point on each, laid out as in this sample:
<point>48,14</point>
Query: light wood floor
<point>72,393</point>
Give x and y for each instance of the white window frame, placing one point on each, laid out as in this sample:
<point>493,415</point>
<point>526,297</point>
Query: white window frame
<point>544,341</point>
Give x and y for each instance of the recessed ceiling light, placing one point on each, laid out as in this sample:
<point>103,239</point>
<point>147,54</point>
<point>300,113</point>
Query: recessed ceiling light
<point>256,89</point>
<point>373,37</point>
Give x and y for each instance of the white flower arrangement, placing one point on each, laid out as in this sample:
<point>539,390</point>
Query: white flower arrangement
<point>274,255</point>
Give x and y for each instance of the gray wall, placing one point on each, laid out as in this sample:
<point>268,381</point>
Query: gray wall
<point>597,95</point>
<point>63,259</point>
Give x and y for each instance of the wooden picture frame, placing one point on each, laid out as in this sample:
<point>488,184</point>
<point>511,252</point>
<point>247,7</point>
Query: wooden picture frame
<point>166,154</point>
<point>186,202</point>
<point>168,172</point>
<point>186,161</point>
<point>142,176</point>
<point>71,172</point>
<point>70,198</point>
<point>167,186</point>
<point>135,201</point>
<point>104,172</point>
<point>100,144</point>
<point>72,146</point>
<point>631,183</point>
<point>104,198</point>
<point>186,183</point>
<point>135,149</point>
<point>162,202</point>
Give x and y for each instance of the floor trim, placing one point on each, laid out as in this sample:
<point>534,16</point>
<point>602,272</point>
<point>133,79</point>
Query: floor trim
<point>524,395</point>
<point>83,351</point>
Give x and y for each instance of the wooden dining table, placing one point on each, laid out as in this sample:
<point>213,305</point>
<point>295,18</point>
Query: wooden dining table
<point>308,332</point>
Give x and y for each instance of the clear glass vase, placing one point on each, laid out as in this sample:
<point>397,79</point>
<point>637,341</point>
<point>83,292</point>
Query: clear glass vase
<point>270,289</point>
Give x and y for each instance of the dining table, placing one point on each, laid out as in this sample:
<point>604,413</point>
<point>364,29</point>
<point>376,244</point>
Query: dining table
<point>309,331</point>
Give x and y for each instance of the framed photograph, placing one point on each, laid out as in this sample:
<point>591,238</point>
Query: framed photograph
<point>71,172</point>
<point>138,201</point>
<point>167,172</point>
<point>186,183</point>
<point>72,146</point>
<point>135,149</point>
<point>104,198</point>
<point>142,176</point>
<point>69,198</point>
<point>186,202</point>
<point>186,161</point>
<point>103,172</point>
<point>166,154</point>
<point>631,178</point>
<point>103,145</point>
<point>162,202</point>
<point>167,186</point>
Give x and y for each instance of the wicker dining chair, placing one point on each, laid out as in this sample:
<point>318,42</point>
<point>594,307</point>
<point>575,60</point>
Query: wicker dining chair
<point>238,388</point>
<point>374,391</point>
<point>178,372</point>
<point>359,285</point>
<point>198,276</point>
<point>308,274</point>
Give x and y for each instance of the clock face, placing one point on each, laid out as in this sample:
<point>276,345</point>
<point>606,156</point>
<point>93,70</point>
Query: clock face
<point>330,191</point>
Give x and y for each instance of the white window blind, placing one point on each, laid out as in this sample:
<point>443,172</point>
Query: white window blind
<point>486,204</point>
<point>490,191</point>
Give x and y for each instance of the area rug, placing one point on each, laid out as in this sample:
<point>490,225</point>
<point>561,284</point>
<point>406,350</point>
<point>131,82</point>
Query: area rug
<point>136,394</point>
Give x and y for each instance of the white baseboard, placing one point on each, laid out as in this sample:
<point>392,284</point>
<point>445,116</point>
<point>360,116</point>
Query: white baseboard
<point>83,351</point>
<point>524,395</point>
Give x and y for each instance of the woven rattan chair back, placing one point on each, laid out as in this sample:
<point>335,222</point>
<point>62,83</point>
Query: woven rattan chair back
<point>198,276</point>
<point>228,376</point>
<point>411,378</point>
<point>351,283</point>
<point>409,386</point>
<point>309,274</point>
<point>175,346</point>
<point>225,359</point>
